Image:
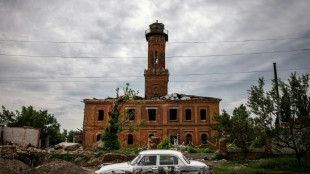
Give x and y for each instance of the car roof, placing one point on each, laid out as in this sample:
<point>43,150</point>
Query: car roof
<point>161,152</point>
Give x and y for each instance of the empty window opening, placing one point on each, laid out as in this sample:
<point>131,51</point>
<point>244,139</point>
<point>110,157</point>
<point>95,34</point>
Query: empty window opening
<point>100,115</point>
<point>204,139</point>
<point>173,114</point>
<point>188,114</point>
<point>130,139</point>
<point>188,139</point>
<point>156,58</point>
<point>203,114</point>
<point>151,135</point>
<point>151,114</point>
<point>131,114</point>
<point>173,139</point>
<point>98,137</point>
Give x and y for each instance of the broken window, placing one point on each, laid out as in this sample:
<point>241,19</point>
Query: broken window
<point>131,114</point>
<point>203,114</point>
<point>156,59</point>
<point>173,139</point>
<point>188,114</point>
<point>188,139</point>
<point>98,137</point>
<point>130,139</point>
<point>173,114</point>
<point>151,114</point>
<point>203,139</point>
<point>100,115</point>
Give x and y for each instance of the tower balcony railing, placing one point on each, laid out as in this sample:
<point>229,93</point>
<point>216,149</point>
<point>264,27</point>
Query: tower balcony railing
<point>156,31</point>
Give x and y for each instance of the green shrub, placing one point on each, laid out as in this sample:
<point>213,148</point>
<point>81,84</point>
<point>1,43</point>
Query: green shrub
<point>190,149</point>
<point>206,150</point>
<point>111,141</point>
<point>165,144</point>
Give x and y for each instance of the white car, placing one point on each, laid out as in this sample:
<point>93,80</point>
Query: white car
<point>157,161</point>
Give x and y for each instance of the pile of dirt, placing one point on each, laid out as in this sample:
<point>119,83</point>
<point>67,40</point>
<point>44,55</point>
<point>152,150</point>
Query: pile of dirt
<point>57,166</point>
<point>9,166</point>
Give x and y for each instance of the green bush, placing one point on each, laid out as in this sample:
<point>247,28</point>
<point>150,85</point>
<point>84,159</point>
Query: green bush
<point>111,141</point>
<point>190,149</point>
<point>165,144</point>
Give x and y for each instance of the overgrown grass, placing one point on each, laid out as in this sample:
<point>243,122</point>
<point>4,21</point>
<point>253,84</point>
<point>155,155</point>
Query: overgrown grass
<point>281,165</point>
<point>76,158</point>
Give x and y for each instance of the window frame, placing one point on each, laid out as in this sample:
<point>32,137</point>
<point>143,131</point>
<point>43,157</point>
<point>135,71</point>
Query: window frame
<point>134,114</point>
<point>206,140</point>
<point>175,158</point>
<point>176,114</point>
<point>98,114</point>
<point>204,115</point>
<point>186,115</point>
<point>148,114</point>
<point>131,139</point>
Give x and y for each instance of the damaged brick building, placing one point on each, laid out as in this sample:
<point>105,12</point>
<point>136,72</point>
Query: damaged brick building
<point>182,118</point>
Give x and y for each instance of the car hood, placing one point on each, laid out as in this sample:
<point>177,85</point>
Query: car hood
<point>115,168</point>
<point>196,163</point>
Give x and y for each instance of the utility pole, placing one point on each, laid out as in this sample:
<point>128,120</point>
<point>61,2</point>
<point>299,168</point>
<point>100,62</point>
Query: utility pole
<point>278,122</point>
<point>276,79</point>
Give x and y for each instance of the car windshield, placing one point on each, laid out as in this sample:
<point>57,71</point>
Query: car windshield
<point>184,157</point>
<point>134,161</point>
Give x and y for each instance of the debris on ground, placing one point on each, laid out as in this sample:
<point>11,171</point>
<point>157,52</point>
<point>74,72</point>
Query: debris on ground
<point>57,166</point>
<point>68,146</point>
<point>9,166</point>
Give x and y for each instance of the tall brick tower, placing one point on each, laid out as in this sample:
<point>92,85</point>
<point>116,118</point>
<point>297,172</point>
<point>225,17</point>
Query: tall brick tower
<point>156,76</point>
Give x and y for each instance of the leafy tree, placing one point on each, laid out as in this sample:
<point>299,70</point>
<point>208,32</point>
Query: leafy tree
<point>70,136</point>
<point>117,120</point>
<point>238,128</point>
<point>6,116</point>
<point>291,108</point>
<point>38,119</point>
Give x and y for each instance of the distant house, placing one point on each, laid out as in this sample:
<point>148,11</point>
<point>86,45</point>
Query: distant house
<point>185,119</point>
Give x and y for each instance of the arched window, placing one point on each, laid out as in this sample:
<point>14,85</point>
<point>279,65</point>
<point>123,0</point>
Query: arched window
<point>130,139</point>
<point>98,137</point>
<point>151,135</point>
<point>156,58</point>
<point>204,139</point>
<point>188,139</point>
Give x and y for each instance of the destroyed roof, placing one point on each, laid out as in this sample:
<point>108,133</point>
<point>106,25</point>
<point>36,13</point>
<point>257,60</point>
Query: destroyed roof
<point>173,96</point>
<point>176,96</point>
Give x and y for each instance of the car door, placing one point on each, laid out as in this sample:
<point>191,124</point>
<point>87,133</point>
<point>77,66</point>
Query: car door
<point>169,164</point>
<point>147,164</point>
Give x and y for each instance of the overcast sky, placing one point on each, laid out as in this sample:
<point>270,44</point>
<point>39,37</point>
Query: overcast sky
<point>54,54</point>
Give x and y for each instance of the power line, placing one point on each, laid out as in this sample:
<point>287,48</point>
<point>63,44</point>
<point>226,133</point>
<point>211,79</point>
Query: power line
<point>168,57</point>
<point>137,43</point>
<point>139,76</point>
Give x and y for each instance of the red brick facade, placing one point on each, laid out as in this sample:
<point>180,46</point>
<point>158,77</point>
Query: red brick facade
<point>187,118</point>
